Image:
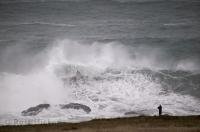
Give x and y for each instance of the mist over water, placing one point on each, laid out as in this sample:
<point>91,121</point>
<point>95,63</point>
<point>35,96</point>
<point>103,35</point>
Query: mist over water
<point>114,61</point>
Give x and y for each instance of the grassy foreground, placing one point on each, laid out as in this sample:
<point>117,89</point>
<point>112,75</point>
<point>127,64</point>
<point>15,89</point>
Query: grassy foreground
<point>133,124</point>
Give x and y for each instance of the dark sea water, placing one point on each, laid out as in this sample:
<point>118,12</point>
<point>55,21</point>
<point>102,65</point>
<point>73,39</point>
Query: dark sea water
<point>131,56</point>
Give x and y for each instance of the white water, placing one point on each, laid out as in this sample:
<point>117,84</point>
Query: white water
<point>41,23</point>
<point>107,86</point>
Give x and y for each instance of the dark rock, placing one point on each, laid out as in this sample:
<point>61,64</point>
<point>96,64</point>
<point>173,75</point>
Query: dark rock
<point>32,111</point>
<point>76,106</point>
<point>131,113</point>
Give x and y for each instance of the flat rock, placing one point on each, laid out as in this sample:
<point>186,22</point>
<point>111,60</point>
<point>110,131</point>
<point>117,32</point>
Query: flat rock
<point>76,106</point>
<point>32,111</point>
<point>131,113</point>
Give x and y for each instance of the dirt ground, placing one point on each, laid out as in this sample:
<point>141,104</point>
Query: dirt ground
<point>132,124</point>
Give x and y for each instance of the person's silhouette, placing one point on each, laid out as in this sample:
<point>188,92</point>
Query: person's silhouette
<point>160,110</point>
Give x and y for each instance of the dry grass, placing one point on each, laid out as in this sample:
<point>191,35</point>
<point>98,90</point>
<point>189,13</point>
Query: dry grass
<point>134,124</point>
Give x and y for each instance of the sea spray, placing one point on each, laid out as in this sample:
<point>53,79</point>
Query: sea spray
<point>104,76</point>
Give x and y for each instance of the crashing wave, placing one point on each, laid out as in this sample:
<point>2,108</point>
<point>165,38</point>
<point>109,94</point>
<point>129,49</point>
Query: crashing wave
<point>103,77</point>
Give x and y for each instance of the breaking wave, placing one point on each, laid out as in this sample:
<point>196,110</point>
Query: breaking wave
<point>107,77</point>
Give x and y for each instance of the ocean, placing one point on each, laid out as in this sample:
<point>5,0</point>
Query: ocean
<point>118,57</point>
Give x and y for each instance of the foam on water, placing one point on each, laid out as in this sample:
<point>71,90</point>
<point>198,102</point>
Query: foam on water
<point>106,82</point>
<point>41,23</point>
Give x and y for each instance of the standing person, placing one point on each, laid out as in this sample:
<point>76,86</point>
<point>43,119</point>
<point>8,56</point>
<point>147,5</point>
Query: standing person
<point>160,110</point>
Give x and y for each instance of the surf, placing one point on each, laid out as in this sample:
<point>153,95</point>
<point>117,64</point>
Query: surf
<point>102,76</point>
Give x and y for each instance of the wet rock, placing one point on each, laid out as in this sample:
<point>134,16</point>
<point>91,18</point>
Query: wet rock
<point>32,111</point>
<point>131,113</point>
<point>76,106</point>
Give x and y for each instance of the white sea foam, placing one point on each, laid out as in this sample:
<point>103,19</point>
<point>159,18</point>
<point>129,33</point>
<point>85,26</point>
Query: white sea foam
<point>40,23</point>
<point>52,24</point>
<point>175,24</point>
<point>106,83</point>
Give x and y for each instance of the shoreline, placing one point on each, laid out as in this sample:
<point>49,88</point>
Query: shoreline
<point>141,123</point>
